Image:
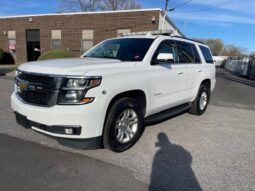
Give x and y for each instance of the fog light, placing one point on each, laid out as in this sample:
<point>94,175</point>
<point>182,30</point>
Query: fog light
<point>69,131</point>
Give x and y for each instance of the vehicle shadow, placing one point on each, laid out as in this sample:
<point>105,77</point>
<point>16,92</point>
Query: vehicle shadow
<point>171,168</point>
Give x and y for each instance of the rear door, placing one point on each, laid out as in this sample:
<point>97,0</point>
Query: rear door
<point>190,59</point>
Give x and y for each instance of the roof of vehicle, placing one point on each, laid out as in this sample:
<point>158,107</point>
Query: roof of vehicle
<point>156,34</point>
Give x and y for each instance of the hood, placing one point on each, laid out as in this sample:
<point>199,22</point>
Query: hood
<point>73,66</point>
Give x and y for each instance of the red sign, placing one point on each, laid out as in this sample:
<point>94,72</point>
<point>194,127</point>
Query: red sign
<point>12,44</point>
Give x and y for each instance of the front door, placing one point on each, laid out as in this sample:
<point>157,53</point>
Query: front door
<point>166,80</point>
<point>33,44</point>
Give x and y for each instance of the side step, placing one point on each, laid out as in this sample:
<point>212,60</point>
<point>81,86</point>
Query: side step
<point>163,115</point>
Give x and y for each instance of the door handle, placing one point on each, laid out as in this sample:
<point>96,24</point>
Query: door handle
<point>200,71</point>
<point>180,73</point>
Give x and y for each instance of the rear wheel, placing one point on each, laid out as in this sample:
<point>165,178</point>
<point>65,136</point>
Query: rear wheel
<point>123,126</point>
<point>199,105</point>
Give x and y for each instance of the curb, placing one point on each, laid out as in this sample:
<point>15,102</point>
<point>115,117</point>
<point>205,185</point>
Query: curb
<point>236,80</point>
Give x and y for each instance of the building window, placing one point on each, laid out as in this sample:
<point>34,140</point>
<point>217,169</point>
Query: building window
<point>56,39</point>
<point>87,40</point>
<point>120,32</point>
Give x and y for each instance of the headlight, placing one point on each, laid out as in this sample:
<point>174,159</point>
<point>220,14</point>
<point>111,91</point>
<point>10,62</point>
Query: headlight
<point>73,90</point>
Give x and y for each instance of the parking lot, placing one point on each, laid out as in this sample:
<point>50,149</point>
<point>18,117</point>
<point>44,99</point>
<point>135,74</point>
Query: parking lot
<point>210,152</point>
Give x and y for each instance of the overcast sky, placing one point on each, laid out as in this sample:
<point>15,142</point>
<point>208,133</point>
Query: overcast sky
<point>232,21</point>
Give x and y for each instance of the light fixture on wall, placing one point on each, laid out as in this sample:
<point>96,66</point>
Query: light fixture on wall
<point>4,33</point>
<point>30,19</point>
<point>153,20</point>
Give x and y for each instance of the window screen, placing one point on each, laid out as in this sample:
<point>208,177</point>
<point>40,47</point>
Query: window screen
<point>207,54</point>
<point>88,34</point>
<point>87,39</point>
<point>56,34</point>
<point>11,34</point>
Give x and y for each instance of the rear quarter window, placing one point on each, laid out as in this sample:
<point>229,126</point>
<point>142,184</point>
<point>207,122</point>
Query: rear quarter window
<point>207,54</point>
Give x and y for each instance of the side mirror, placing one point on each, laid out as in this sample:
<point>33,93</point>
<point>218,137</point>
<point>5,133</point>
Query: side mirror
<point>165,57</point>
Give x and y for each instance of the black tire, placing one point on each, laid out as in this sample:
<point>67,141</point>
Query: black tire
<point>110,140</point>
<point>195,106</point>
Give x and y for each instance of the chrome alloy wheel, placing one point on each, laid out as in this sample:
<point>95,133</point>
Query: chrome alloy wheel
<point>203,101</point>
<point>126,126</point>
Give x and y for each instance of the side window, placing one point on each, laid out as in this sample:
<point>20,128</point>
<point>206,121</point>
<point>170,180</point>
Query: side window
<point>187,52</point>
<point>167,47</point>
<point>207,54</point>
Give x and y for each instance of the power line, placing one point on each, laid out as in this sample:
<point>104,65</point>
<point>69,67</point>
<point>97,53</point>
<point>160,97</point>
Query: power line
<point>213,7</point>
<point>180,5</point>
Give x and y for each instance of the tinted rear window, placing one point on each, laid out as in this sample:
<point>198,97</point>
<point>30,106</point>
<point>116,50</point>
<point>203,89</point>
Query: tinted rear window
<point>207,54</point>
<point>187,52</point>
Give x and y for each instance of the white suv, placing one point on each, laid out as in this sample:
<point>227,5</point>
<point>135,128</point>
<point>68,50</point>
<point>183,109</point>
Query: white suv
<point>105,97</point>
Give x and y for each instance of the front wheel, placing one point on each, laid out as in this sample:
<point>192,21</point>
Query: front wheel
<point>199,105</point>
<point>123,126</point>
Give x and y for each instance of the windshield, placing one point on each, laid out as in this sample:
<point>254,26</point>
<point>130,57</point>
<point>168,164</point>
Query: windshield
<point>126,49</point>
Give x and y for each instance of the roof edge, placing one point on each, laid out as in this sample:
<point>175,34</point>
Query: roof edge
<point>80,13</point>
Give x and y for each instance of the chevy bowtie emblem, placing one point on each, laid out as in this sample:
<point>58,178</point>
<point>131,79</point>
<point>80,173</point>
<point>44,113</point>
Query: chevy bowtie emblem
<point>23,86</point>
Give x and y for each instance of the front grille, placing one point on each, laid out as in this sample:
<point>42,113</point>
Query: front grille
<point>38,89</point>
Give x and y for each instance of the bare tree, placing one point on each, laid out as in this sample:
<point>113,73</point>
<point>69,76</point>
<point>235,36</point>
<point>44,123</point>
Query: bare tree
<point>218,48</point>
<point>79,5</point>
<point>96,5</point>
<point>232,50</point>
<point>113,5</point>
<point>216,45</point>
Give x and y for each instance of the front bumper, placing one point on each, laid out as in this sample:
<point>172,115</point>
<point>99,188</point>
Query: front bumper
<point>88,143</point>
<point>88,118</point>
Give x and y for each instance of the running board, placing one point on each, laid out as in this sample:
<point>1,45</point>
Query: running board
<point>166,114</point>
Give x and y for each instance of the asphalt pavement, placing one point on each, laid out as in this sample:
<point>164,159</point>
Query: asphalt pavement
<point>210,152</point>
<point>28,166</point>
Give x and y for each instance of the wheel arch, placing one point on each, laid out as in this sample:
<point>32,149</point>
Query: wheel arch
<point>137,94</point>
<point>207,82</point>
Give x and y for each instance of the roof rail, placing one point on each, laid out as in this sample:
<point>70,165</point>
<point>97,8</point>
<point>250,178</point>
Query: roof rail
<point>166,32</point>
<point>190,39</point>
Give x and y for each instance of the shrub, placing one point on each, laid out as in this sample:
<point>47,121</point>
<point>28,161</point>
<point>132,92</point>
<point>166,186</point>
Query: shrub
<point>1,53</point>
<point>55,54</point>
<point>6,58</point>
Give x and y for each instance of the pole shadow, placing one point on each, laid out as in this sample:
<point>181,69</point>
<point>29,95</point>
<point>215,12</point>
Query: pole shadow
<point>171,168</point>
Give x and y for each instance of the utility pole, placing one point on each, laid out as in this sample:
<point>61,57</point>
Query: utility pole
<point>165,13</point>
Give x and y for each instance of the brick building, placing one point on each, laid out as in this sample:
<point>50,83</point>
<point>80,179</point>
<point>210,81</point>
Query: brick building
<point>27,36</point>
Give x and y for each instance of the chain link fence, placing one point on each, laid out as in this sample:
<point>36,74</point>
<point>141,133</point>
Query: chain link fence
<point>244,67</point>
